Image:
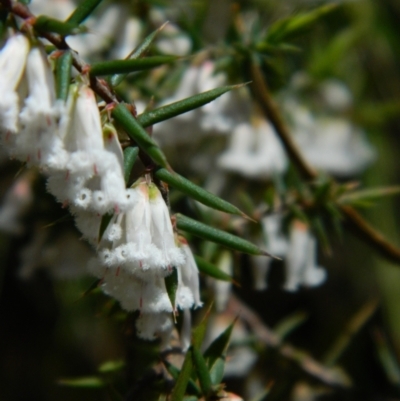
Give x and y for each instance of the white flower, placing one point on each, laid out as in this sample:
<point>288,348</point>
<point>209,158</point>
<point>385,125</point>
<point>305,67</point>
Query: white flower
<point>222,289</point>
<point>275,243</point>
<point>254,152</point>
<point>301,266</point>
<point>38,141</point>
<point>155,325</point>
<point>188,292</point>
<point>12,64</point>
<point>145,245</point>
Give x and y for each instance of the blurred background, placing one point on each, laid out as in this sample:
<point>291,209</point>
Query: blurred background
<point>339,77</point>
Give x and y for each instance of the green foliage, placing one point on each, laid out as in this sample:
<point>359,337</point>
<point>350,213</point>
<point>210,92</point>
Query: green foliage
<point>220,237</point>
<point>63,75</point>
<point>84,10</point>
<point>130,65</point>
<point>123,116</point>
<point>163,113</point>
<point>130,157</point>
<point>196,192</point>
<point>46,24</point>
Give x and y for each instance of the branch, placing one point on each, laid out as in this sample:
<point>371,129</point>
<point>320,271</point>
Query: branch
<point>356,222</point>
<point>328,375</point>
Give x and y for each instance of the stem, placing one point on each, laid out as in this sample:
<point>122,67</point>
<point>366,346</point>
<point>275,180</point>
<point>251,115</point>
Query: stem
<point>356,222</point>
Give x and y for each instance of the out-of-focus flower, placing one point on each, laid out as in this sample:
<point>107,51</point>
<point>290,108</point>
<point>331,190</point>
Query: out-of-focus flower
<point>274,243</point>
<point>328,140</point>
<point>254,151</point>
<point>301,265</point>
<point>222,289</point>
<point>213,117</point>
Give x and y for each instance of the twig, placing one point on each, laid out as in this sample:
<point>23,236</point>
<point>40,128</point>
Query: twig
<point>356,222</point>
<point>328,375</point>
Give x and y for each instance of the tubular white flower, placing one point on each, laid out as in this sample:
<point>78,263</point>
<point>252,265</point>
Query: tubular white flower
<point>301,267</point>
<point>38,141</point>
<point>188,292</point>
<point>145,246</point>
<point>161,230</point>
<point>12,64</point>
<point>254,151</point>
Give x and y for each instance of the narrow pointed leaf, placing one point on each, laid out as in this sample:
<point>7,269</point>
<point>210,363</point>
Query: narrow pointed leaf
<point>85,8</point>
<point>184,376</point>
<point>47,24</point>
<point>218,347</point>
<point>182,106</point>
<point>105,221</point>
<point>192,388</point>
<point>199,332</point>
<point>202,371</point>
<point>369,194</point>
<point>297,24</point>
<point>171,283</point>
<point>220,237</point>
<point>130,156</point>
<point>139,134</point>
<point>116,79</point>
<point>196,192</point>
<point>63,75</point>
<point>83,382</point>
<point>131,65</point>
<point>112,366</point>
<point>211,270</point>
<point>217,371</point>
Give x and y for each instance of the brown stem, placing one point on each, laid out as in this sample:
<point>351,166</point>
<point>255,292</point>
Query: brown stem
<point>356,222</point>
<point>264,334</point>
<point>261,93</point>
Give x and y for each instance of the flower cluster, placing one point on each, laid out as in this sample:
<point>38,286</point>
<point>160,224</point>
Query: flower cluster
<point>84,163</point>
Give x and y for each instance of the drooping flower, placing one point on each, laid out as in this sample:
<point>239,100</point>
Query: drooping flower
<point>254,151</point>
<point>38,142</point>
<point>301,265</point>
<point>12,64</point>
<point>273,242</point>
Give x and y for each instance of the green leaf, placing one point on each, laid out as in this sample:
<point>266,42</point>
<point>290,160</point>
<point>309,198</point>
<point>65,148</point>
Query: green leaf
<point>295,25</point>
<point>85,8</point>
<point>105,221</point>
<point>149,118</point>
<point>130,65</point>
<point>47,24</point>
<point>196,192</point>
<point>116,79</point>
<point>111,366</point>
<point>217,371</point>
<point>123,116</point>
<point>218,347</point>
<point>63,75</point>
<point>83,382</point>
<point>192,388</point>
<point>220,237</point>
<point>211,270</point>
<point>368,194</point>
<point>130,156</point>
<point>179,389</point>
<point>171,282</point>
<point>290,323</point>
<point>202,371</point>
